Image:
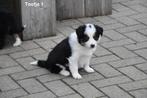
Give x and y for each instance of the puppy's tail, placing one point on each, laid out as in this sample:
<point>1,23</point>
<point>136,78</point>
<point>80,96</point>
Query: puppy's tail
<point>40,63</point>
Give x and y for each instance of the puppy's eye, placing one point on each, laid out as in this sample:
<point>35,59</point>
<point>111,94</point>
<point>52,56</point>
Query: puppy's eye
<point>96,37</point>
<point>85,38</point>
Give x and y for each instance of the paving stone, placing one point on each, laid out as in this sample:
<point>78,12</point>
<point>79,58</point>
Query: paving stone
<point>47,44</point>
<point>142,66</point>
<point>13,93</point>
<point>117,43</point>
<point>142,52</point>
<point>105,20</point>
<point>143,31</point>
<point>106,70</point>
<point>123,13</point>
<point>65,30</point>
<point>134,2</point>
<point>59,88</point>
<point>6,61</point>
<point>131,28</point>
<point>27,53</point>
<point>25,62</point>
<point>69,22</point>
<point>136,46</point>
<point>113,26</point>
<point>11,70</point>
<point>104,59</point>
<point>6,83</point>
<point>72,96</point>
<point>134,85</point>
<point>29,45</point>
<point>120,7</point>
<point>133,73</point>
<point>32,85</point>
<point>87,90</point>
<point>86,78</point>
<point>122,52</point>
<point>10,50</point>
<point>114,35</point>
<point>29,74</point>
<point>127,21</point>
<point>137,16</point>
<point>104,39</point>
<point>127,62</point>
<point>136,36</point>
<point>143,20</point>
<point>115,92</point>
<point>47,94</point>
<point>110,81</point>
<point>138,8</point>
<point>42,56</point>
<point>139,93</point>
<point>100,51</point>
<point>49,77</point>
<point>86,20</point>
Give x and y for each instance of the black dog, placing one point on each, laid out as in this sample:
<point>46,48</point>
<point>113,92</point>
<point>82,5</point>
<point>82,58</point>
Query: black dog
<point>9,25</point>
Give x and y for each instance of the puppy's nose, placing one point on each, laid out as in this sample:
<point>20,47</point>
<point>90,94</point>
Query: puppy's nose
<point>92,45</point>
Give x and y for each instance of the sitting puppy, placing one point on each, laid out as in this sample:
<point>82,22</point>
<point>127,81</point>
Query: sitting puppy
<point>8,25</point>
<point>74,52</point>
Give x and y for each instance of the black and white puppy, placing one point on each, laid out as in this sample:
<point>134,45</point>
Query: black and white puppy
<point>74,52</point>
<point>9,25</point>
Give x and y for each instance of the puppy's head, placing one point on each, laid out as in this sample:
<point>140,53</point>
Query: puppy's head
<point>88,35</point>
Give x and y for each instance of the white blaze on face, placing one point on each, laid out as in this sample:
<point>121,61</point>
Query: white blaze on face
<point>90,31</point>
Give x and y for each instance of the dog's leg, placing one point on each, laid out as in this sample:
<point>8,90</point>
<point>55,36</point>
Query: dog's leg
<point>73,67</point>
<point>86,65</point>
<point>18,40</point>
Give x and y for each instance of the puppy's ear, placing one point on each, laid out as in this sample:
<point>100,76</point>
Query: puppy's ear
<point>80,31</point>
<point>99,30</point>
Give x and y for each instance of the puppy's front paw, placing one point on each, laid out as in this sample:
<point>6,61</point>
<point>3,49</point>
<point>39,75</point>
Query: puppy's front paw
<point>89,69</point>
<point>17,43</point>
<point>77,76</point>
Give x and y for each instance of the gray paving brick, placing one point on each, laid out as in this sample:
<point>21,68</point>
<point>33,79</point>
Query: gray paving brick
<point>59,88</point>
<point>6,61</point>
<point>6,83</point>
<point>72,96</point>
<point>138,8</point>
<point>143,31</point>
<point>122,52</point>
<point>47,94</point>
<point>69,22</point>
<point>27,53</point>
<point>104,59</point>
<point>10,50</point>
<point>101,51</point>
<point>142,52</point>
<point>117,43</point>
<point>25,62</point>
<point>29,45</point>
<point>139,93</point>
<point>86,20</point>
<point>49,77</point>
<point>13,93</point>
<point>137,16</point>
<point>131,28</point>
<point>133,73</point>
<point>142,66</point>
<point>105,20</point>
<point>11,70</point>
<point>143,20</point>
<point>86,78</point>
<point>29,74</point>
<point>127,62</point>
<point>115,92</point>
<point>111,33</point>
<point>136,46</point>
<point>119,7</point>
<point>113,26</point>
<point>42,56</point>
<point>65,30</point>
<point>136,36</point>
<point>134,85</point>
<point>47,44</point>
<point>87,90</point>
<point>134,2</point>
<point>127,21</point>
<point>110,81</point>
<point>104,39</point>
<point>32,85</point>
<point>106,70</point>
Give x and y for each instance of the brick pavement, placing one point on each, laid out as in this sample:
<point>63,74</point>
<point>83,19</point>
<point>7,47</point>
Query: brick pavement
<point>120,61</point>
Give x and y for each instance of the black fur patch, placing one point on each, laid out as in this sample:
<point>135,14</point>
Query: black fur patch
<point>99,32</point>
